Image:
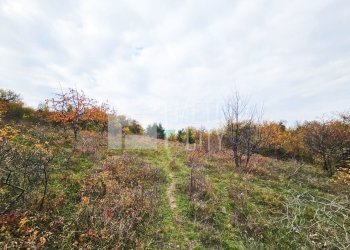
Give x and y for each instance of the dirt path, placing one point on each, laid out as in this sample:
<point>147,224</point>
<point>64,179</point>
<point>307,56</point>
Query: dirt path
<point>170,193</point>
<point>171,189</point>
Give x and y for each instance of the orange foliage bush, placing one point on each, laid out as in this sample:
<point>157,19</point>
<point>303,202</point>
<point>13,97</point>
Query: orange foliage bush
<point>74,109</point>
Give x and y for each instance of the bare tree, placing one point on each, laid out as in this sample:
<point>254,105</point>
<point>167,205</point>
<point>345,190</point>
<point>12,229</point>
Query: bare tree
<point>243,132</point>
<point>346,117</point>
<point>327,140</point>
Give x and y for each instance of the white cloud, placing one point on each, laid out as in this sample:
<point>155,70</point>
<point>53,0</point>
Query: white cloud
<point>146,56</point>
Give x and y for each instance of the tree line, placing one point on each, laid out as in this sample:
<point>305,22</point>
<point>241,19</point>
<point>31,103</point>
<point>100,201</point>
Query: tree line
<point>325,142</point>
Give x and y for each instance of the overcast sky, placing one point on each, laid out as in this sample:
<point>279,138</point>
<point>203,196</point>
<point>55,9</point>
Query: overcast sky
<point>154,59</point>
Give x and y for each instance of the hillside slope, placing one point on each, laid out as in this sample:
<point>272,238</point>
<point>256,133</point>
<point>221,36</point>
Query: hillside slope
<point>172,198</point>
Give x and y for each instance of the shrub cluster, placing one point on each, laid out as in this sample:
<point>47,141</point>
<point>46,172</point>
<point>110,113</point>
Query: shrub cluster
<point>118,204</point>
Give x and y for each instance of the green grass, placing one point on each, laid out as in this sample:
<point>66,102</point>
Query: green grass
<point>265,203</point>
<point>241,211</point>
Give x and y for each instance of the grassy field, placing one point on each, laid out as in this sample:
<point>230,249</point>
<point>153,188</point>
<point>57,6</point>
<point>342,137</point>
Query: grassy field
<point>173,198</point>
<point>269,207</point>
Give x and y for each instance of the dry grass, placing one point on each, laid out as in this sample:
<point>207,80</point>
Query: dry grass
<point>118,204</point>
<point>173,165</point>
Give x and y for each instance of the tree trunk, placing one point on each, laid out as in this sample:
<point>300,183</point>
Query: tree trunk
<point>236,157</point>
<point>191,183</point>
<point>123,141</point>
<point>247,160</point>
<point>75,130</point>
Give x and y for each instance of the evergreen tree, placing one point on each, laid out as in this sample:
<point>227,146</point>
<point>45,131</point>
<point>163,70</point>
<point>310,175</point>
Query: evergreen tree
<point>160,132</point>
<point>180,135</point>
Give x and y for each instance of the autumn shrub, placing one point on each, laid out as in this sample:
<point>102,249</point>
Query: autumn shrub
<point>258,165</point>
<point>24,165</point>
<point>119,203</point>
<point>340,182</point>
<point>323,142</point>
<point>20,231</point>
<point>199,187</point>
<point>172,137</point>
<point>343,176</point>
<point>327,140</point>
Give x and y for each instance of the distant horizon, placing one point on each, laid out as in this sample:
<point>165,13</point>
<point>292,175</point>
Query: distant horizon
<point>194,123</point>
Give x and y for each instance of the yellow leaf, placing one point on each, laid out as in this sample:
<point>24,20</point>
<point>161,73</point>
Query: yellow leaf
<point>85,200</point>
<point>23,222</point>
<point>42,240</point>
